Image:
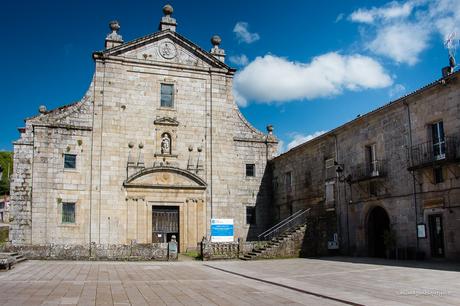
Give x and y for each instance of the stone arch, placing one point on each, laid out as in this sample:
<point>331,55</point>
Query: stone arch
<point>146,179</point>
<point>378,221</point>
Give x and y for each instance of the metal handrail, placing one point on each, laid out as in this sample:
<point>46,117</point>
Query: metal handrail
<point>298,218</point>
<point>282,221</point>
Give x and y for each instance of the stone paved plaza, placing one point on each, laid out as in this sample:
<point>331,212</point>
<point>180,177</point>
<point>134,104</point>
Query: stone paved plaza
<point>310,282</point>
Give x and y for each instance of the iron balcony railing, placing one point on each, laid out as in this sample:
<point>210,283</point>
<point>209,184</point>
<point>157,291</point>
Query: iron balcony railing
<point>433,152</point>
<point>369,170</point>
<point>294,220</point>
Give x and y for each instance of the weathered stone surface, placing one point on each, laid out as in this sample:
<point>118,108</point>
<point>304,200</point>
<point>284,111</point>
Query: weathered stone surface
<point>150,251</point>
<point>116,132</point>
<point>408,200</point>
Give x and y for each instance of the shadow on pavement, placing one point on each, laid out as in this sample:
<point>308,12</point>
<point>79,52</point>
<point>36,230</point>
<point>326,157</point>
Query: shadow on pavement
<point>426,264</point>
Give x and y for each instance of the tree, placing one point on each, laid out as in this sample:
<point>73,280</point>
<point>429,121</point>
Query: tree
<point>6,163</point>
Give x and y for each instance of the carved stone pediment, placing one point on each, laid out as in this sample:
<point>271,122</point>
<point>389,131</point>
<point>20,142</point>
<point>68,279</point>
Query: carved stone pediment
<point>165,178</point>
<point>166,121</point>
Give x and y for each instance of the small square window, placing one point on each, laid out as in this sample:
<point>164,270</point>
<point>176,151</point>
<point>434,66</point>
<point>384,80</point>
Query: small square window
<point>250,170</point>
<point>70,161</point>
<point>68,212</point>
<point>250,215</point>
<point>167,95</point>
<point>438,175</point>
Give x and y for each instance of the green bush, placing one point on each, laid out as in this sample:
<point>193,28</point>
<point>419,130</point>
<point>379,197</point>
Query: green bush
<point>6,162</point>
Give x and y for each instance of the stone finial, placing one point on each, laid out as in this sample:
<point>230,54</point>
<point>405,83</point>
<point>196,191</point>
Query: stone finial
<point>216,51</point>
<point>167,22</point>
<point>270,129</point>
<point>42,109</point>
<point>113,39</point>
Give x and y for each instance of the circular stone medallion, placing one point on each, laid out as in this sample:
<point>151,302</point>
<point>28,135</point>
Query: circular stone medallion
<point>168,50</point>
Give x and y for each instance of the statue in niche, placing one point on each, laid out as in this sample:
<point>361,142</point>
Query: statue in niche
<point>165,144</point>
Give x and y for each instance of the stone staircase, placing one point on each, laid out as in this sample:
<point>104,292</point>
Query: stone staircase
<point>9,259</point>
<point>284,239</point>
<point>287,244</point>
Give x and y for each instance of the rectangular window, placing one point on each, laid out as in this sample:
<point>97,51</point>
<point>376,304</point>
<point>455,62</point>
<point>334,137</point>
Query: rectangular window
<point>68,212</point>
<point>439,143</point>
<point>371,159</point>
<point>250,215</point>
<point>330,194</point>
<point>330,168</point>
<point>167,95</point>
<point>250,170</point>
<point>70,161</point>
<point>438,175</point>
<point>288,181</point>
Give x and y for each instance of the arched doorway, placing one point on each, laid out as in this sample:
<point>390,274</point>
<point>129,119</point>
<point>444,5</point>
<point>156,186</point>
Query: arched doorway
<point>377,223</point>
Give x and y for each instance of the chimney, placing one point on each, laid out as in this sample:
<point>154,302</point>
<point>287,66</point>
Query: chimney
<point>167,22</point>
<point>113,39</point>
<point>216,51</point>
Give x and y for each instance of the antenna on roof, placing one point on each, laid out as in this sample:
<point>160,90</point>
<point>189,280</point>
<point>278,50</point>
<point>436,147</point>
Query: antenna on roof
<point>451,44</point>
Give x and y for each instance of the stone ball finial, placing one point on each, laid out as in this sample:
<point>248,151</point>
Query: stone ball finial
<point>216,40</point>
<point>168,10</point>
<point>42,109</point>
<point>270,129</point>
<point>114,25</point>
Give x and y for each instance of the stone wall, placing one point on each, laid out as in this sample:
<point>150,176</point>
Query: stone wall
<point>151,251</point>
<point>115,132</point>
<point>407,196</point>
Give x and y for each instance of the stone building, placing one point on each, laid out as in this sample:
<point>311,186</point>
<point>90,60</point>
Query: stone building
<point>392,173</point>
<point>156,147</point>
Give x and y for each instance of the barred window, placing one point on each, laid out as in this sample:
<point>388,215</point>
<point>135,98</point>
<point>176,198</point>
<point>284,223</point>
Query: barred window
<point>250,170</point>
<point>167,95</point>
<point>70,161</point>
<point>68,212</point>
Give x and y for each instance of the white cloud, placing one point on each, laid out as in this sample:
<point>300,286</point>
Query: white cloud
<point>401,42</point>
<point>362,16</point>
<point>396,91</point>
<point>276,79</point>
<point>389,11</point>
<point>299,139</point>
<point>401,31</point>
<point>240,60</point>
<point>242,33</point>
<point>339,17</point>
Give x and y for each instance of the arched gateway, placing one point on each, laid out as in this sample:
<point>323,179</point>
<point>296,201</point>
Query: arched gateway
<point>377,223</point>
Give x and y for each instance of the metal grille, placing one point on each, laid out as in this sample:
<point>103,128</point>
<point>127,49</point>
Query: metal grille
<point>70,161</point>
<point>68,212</point>
<point>165,221</point>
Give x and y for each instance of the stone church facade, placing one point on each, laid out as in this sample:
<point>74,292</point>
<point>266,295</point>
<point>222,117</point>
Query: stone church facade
<point>157,134</point>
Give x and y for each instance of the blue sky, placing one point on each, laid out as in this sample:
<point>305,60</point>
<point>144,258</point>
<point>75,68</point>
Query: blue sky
<point>304,66</point>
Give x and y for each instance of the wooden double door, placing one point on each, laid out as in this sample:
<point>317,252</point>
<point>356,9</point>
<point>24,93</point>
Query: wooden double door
<point>165,223</point>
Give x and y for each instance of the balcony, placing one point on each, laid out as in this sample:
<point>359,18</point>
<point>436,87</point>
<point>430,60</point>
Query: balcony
<point>430,154</point>
<point>368,171</point>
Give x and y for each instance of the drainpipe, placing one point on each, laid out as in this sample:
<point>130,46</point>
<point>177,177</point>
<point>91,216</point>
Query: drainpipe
<point>337,213</point>
<point>210,141</point>
<point>414,193</point>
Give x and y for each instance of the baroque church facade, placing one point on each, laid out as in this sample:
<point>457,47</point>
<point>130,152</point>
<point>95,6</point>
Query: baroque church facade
<point>156,147</point>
